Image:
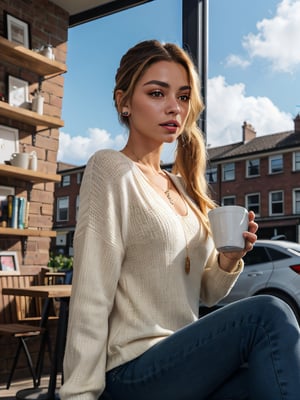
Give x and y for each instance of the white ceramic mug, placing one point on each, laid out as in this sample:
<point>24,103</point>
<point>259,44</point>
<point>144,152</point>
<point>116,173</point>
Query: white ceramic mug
<point>20,160</point>
<point>227,225</point>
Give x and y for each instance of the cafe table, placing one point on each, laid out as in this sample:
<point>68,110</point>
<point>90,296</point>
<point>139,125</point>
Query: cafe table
<point>63,293</point>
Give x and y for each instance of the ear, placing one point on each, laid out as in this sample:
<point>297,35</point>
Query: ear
<point>122,109</point>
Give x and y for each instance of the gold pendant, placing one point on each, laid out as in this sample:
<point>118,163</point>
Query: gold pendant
<point>187,266</point>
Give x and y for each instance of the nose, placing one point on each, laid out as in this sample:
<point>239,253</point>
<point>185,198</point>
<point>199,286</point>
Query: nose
<point>172,106</point>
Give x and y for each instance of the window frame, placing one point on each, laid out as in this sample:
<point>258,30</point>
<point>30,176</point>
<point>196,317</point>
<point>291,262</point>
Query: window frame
<point>248,167</point>
<point>250,207</point>
<point>227,172</point>
<point>296,190</point>
<point>60,209</point>
<point>271,203</point>
<point>273,171</point>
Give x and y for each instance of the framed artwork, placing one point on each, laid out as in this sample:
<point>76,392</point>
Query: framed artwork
<point>17,30</point>
<point>18,92</point>
<point>9,264</point>
<point>9,142</point>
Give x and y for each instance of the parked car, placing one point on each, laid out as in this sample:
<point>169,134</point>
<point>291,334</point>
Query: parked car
<point>272,267</point>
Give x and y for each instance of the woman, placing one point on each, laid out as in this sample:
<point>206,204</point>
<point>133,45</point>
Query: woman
<point>144,257</point>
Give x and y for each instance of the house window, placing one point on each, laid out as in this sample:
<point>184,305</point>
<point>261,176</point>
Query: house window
<point>79,177</point>
<point>253,167</point>
<point>77,206</point>
<point>296,201</point>
<point>276,164</point>
<point>66,180</point>
<point>253,203</point>
<point>228,201</point>
<point>276,203</point>
<point>62,213</point>
<point>228,172</point>
<point>296,161</point>
<point>211,175</point>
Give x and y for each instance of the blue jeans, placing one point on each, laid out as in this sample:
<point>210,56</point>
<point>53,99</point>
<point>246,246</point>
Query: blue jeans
<point>247,350</point>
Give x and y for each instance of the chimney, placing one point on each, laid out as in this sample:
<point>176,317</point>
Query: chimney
<point>248,132</point>
<point>297,124</point>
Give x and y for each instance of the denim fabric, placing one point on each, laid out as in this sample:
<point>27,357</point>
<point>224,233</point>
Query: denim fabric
<point>247,350</point>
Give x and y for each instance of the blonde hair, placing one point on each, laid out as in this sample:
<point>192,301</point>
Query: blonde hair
<point>190,161</point>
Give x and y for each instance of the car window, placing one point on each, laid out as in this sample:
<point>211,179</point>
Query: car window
<point>277,255</point>
<point>256,256</point>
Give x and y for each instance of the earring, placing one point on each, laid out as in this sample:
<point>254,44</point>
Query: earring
<point>124,113</point>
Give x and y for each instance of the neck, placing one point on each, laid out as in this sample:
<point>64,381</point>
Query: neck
<point>143,160</point>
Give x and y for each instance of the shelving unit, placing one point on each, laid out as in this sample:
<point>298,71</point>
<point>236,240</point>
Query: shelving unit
<point>27,232</point>
<point>27,175</point>
<point>25,58</point>
<point>18,55</point>
<point>29,117</point>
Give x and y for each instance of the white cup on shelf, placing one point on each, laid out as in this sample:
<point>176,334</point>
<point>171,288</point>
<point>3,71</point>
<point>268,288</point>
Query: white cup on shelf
<point>20,160</point>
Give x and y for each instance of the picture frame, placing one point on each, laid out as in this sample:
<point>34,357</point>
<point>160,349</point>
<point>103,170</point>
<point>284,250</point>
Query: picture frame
<point>17,30</point>
<point>9,142</point>
<point>9,264</point>
<point>18,92</point>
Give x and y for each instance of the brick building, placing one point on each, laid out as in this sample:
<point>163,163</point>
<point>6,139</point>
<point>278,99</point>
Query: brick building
<point>66,207</point>
<point>261,173</point>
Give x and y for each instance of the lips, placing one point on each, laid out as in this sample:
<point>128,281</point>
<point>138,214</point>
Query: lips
<point>170,124</point>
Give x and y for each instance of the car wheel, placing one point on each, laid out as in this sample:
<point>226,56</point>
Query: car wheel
<point>287,299</point>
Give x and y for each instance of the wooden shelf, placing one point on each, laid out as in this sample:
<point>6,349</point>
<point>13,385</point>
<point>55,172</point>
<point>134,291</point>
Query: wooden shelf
<point>29,117</point>
<point>27,232</point>
<point>27,174</point>
<point>19,55</point>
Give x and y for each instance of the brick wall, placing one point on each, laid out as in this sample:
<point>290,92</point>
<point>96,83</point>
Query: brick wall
<point>48,24</point>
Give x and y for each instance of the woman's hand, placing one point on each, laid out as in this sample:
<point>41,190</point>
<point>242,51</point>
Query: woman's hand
<point>227,261</point>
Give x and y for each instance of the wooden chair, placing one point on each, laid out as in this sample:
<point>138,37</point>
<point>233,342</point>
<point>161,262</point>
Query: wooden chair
<point>33,310</point>
<point>21,332</point>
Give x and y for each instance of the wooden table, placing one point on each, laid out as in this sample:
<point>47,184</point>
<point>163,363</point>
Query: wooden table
<point>63,292</point>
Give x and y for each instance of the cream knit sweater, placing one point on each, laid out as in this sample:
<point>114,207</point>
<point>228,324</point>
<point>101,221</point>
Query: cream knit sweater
<point>130,289</point>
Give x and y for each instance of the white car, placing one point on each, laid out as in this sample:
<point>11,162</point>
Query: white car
<point>272,267</point>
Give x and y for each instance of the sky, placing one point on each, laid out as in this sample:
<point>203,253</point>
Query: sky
<point>253,71</point>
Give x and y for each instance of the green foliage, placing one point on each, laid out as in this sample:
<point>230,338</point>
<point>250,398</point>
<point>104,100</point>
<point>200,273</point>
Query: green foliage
<point>60,262</point>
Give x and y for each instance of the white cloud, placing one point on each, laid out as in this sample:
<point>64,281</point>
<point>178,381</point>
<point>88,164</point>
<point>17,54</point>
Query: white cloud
<point>78,149</point>
<point>278,38</point>
<point>228,107</point>
<point>234,60</point>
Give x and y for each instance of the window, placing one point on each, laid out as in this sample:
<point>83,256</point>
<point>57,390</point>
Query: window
<point>228,201</point>
<point>228,172</point>
<point>253,168</point>
<point>77,206</point>
<point>253,203</point>
<point>66,180</point>
<point>62,213</point>
<point>256,256</point>
<point>211,175</point>
<point>276,203</point>
<point>79,177</point>
<point>276,164</point>
<point>296,161</point>
<point>296,201</point>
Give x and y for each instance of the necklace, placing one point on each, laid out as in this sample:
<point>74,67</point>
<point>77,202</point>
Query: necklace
<point>187,264</point>
<point>167,192</point>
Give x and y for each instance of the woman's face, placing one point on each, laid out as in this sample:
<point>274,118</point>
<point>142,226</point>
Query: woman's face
<point>160,103</point>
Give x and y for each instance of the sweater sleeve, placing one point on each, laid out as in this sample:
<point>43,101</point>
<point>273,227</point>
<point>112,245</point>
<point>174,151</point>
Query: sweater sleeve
<point>98,257</point>
<point>217,283</point>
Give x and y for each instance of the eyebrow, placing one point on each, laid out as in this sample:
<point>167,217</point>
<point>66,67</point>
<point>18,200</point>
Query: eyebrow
<point>165,85</point>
